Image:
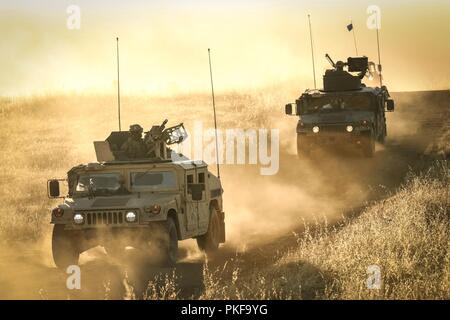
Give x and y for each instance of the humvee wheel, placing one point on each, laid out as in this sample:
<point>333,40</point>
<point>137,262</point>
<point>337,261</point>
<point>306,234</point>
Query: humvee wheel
<point>169,245</point>
<point>302,149</point>
<point>368,147</point>
<point>303,153</point>
<point>209,242</point>
<point>382,138</point>
<point>64,249</point>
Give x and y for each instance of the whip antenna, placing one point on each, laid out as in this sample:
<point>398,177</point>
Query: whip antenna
<point>354,37</point>
<point>118,82</point>
<point>379,58</point>
<point>214,109</point>
<point>312,52</point>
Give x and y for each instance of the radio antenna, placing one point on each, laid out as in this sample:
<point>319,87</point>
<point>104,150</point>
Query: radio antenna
<point>118,82</point>
<point>354,36</point>
<point>214,109</point>
<point>312,52</point>
<point>379,57</point>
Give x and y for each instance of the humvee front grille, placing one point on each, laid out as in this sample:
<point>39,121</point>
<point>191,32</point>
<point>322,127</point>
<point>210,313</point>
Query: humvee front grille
<point>105,217</point>
<point>332,128</point>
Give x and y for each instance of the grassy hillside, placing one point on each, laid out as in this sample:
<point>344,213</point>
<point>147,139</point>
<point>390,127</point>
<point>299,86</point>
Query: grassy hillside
<point>405,235</point>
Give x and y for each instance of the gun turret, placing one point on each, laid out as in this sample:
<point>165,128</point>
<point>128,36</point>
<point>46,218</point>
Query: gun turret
<point>338,79</point>
<point>155,132</point>
<point>159,137</point>
<point>153,146</point>
<point>172,135</point>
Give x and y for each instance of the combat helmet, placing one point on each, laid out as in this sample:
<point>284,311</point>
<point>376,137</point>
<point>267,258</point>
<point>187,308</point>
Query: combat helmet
<point>136,129</point>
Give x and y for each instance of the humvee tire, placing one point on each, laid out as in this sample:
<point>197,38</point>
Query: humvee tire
<point>382,136</point>
<point>302,149</point>
<point>368,146</point>
<point>64,249</point>
<point>169,245</point>
<point>209,242</point>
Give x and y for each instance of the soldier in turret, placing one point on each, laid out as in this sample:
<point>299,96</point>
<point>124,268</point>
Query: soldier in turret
<point>135,147</point>
<point>155,140</point>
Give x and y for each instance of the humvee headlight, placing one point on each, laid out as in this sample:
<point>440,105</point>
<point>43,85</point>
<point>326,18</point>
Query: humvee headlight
<point>315,129</point>
<point>58,212</point>
<point>349,128</point>
<point>78,219</point>
<point>130,217</point>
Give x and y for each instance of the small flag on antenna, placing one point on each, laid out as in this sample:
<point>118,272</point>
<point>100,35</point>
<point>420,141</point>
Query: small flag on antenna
<point>350,27</point>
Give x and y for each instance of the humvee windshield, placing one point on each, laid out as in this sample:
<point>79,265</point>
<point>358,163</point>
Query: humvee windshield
<point>99,184</point>
<point>152,180</point>
<point>333,103</point>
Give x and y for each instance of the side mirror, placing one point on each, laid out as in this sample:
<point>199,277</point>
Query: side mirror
<point>196,191</point>
<point>53,189</point>
<point>390,105</point>
<point>288,109</point>
<point>293,109</point>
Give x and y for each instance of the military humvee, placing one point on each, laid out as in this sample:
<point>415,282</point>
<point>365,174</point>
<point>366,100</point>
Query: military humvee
<point>345,111</point>
<point>147,203</point>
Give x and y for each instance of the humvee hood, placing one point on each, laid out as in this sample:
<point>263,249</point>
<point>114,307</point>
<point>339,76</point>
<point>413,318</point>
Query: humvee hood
<point>338,117</point>
<point>120,202</point>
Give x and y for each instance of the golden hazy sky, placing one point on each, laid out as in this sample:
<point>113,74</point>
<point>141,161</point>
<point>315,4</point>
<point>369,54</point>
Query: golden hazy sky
<point>163,44</point>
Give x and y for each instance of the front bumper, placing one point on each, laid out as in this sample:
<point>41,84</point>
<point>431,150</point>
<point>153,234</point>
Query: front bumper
<point>106,219</point>
<point>329,135</point>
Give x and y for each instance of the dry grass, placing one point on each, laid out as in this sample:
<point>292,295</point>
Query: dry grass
<point>32,152</point>
<point>406,235</point>
<point>163,287</point>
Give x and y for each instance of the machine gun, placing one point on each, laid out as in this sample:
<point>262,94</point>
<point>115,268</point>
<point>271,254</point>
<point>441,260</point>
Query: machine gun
<point>155,133</point>
<point>353,64</point>
<point>338,79</point>
<point>159,137</point>
<point>171,135</point>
